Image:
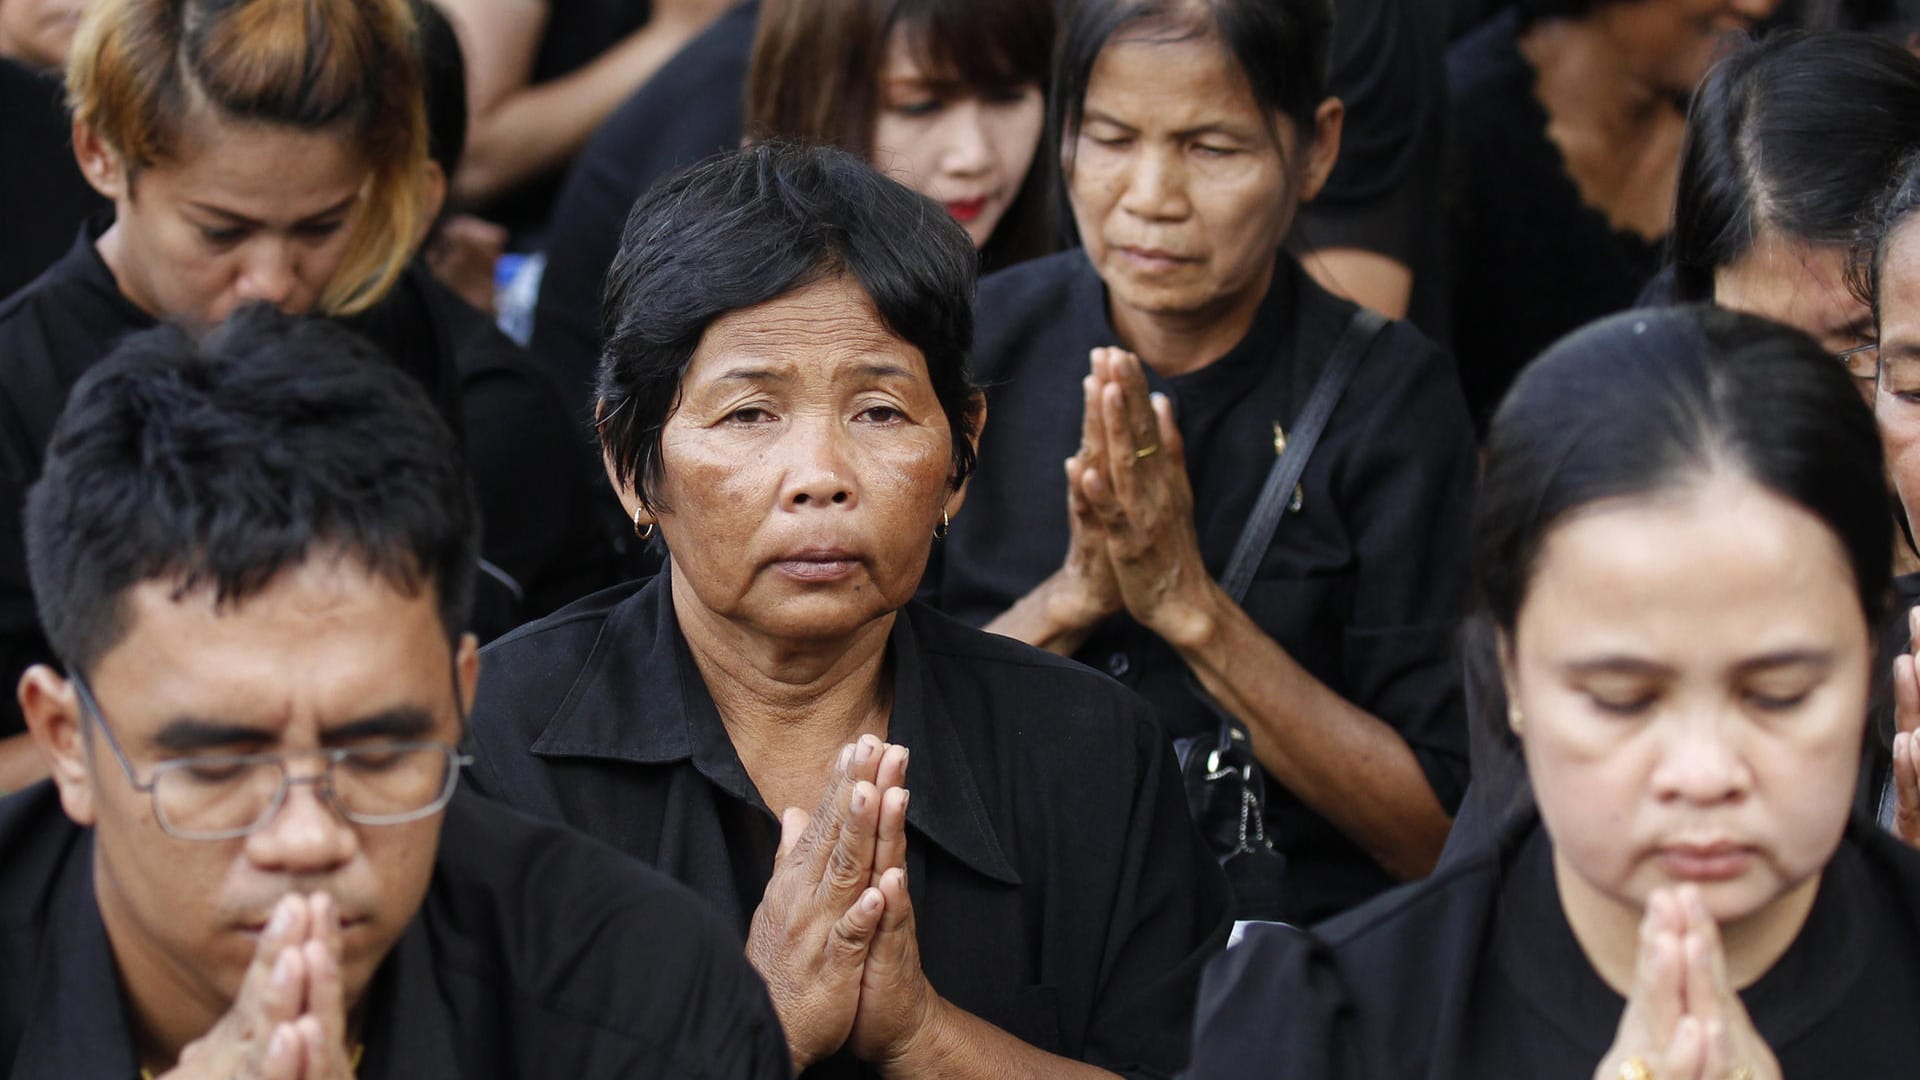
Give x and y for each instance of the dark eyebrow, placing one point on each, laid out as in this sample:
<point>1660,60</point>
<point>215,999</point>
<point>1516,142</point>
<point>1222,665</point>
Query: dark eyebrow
<point>886,371</point>
<point>1786,658</point>
<point>751,374</point>
<point>241,219</point>
<point>405,724</point>
<point>188,735</point>
<point>1616,665</point>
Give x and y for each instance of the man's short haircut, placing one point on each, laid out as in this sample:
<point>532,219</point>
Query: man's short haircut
<point>221,463</point>
<point>751,226</point>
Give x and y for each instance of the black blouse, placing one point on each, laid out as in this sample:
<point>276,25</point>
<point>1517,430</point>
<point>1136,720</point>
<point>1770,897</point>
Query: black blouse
<point>1531,260</point>
<point>1363,585</point>
<point>1476,973</point>
<point>535,953</point>
<point>43,196</point>
<point>1059,889</point>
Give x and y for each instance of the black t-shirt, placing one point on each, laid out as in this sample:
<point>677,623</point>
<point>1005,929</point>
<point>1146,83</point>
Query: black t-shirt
<point>535,953</point>
<point>1531,260</point>
<point>43,197</point>
<point>692,108</point>
<point>1059,889</point>
<point>1364,585</point>
<point>1476,973</point>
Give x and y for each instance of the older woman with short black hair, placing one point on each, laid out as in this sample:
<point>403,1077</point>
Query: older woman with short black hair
<point>785,402</point>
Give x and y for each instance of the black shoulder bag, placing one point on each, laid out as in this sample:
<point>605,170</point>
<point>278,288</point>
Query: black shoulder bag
<point>1226,791</point>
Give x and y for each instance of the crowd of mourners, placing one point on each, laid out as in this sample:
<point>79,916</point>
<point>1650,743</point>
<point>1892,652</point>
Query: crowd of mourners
<point>1345,539</point>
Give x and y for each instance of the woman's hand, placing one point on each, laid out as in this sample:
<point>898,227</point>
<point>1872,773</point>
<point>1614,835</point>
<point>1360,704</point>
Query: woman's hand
<point>1144,502</point>
<point>1906,744</point>
<point>1683,1019</point>
<point>810,935</point>
<point>896,1001</point>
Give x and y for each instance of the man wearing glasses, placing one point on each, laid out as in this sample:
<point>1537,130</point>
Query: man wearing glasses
<point>255,557</point>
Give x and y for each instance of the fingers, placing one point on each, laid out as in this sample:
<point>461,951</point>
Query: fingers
<point>897,919</point>
<point>285,1055</point>
<point>850,858</point>
<point>890,849</point>
<point>1906,693</point>
<point>892,769</point>
<point>1906,786</point>
<point>1167,431</point>
<point>274,986</point>
<point>793,825</point>
<point>854,931</point>
<point>326,994</point>
<point>1659,992</point>
<point>1686,1054</point>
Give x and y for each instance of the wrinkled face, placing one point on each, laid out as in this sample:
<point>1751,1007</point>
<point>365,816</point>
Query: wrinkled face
<point>1804,286</point>
<point>804,468</point>
<point>38,32</point>
<point>1179,180</point>
<point>1897,402</point>
<point>966,148</point>
<point>242,213</point>
<point>1691,670</point>
<point>327,655</point>
<point>1671,43</point>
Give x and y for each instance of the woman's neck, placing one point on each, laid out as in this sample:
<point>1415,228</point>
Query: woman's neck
<point>1176,343</point>
<point>788,706</point>
<point>1618,133</point>
<point>1608,930</point>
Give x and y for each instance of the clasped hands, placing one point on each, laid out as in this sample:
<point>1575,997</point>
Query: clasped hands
<point>289,1020</point>
<point>1130,510</point>
<point>834,935</point>
<point>1684,1020</point>
<point>1906,739</point>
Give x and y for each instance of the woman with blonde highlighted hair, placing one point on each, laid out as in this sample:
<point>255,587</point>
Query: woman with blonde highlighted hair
<point>254,151</point>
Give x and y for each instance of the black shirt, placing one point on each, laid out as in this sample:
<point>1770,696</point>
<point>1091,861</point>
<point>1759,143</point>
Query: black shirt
<point>692,108</point>
<point>535,953</point>
<point>43,196</point>
<point>1363,585</point>
<point>1531,260</point>
<point>1476,973</point>
<point>1059,889</point>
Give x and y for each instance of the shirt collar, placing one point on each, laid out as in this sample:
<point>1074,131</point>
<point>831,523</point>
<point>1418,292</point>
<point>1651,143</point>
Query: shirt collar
<point>640,660</point>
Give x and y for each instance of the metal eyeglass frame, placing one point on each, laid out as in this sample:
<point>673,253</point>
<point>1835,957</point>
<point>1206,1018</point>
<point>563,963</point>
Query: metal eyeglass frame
<point>322,781</point>
<point>1845,356</point>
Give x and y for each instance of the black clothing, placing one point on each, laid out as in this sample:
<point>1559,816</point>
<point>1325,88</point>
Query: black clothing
<point>576,33</point>
<point>1531,260</point>
<point>1059,889</point>
<point>1363,585</point>
<point>43,196</point>
<point>535,953</point>
<point>1476,973</point>
<point>692,108</point>
<point>1384,192</point>
<point>539,526</point>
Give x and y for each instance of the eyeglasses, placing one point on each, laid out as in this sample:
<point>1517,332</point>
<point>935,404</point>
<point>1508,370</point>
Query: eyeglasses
<point>1861,361</point>
<point>224,796</point>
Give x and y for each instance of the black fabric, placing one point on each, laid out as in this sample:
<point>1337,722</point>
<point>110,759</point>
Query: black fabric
<point>576,33</point>
<point>1059,889</point>
<point>1363,586</point>
<point>1384,194</point>
<point>539,526</point>
<point>536,953</point>
<point>1475,973</point>
<point>1531,260</point>
<point>692,108</point>
<point>43,196</point>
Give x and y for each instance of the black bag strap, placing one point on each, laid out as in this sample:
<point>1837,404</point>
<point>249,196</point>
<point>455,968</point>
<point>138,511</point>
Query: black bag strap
<point>1257,536</point>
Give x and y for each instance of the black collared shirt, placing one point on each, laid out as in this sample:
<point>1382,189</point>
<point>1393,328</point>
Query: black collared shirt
<point>1475,973</point>
<point>1059,889</point>
<point>1363,585</point>
<point>536,953</point>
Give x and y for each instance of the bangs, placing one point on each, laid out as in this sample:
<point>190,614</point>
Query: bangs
<point>978,44</point>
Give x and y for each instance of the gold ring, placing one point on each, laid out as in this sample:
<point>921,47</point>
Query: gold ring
<point>1742,1071</point>
<point>1635,1069</point>
<point>1146,452</point>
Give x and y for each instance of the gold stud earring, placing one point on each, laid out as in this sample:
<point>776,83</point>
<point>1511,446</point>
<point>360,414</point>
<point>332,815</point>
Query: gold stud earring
<point>940,533</point>
<point>1515,718</point>
<point>644,532</point>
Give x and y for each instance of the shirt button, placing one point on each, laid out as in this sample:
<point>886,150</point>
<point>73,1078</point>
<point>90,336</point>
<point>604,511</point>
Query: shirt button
<point>1118,665</point>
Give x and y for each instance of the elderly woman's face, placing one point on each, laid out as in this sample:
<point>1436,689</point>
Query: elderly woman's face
<point>1180,181</point>
<point>1691,671</point>
<point>1897,400</point>
<point>805,466</point>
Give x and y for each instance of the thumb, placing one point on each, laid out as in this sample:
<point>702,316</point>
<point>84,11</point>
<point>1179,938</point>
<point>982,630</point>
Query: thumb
<point>793,825</point>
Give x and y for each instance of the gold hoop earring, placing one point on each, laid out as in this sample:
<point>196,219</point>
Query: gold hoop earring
<point>644,532</point>
<point>940,533</point>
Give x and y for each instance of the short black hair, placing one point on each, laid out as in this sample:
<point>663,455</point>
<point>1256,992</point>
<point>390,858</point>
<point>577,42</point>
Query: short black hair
<point>1283,47</point>
<point>752,225</point>
<point>221,463</point>
<point>1892,211</point>
<point>1797,133</point>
